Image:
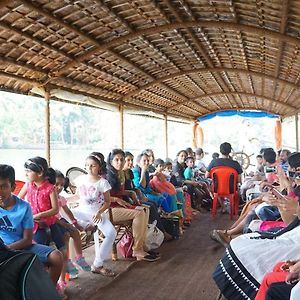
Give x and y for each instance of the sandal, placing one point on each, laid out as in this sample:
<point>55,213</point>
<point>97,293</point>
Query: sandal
<point>102,271</point>
<point>221,236</point>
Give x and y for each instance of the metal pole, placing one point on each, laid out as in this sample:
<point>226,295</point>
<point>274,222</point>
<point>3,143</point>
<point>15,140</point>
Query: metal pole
<point>47,126</point>
<point>166,135</point>
<point>121,110</point>
<point>297,132</point>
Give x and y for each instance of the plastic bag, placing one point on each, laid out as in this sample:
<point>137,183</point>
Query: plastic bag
<point>154,237</point>
<point>125,245</point>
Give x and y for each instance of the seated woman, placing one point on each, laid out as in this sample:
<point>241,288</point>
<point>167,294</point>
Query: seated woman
<point>194,188</point>
<point>128,174</point>
<point>250,256</point>
<point>142,182</point>
<point>124,211</point>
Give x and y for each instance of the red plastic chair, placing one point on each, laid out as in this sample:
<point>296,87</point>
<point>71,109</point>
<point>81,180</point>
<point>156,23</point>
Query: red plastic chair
<point>224,184</point>
<point>19,185</point>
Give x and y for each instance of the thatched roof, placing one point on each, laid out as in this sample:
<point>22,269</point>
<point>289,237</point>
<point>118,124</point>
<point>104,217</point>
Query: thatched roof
<point>184,58</point>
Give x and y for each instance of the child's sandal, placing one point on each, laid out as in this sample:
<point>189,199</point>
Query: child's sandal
<point>103,271</point>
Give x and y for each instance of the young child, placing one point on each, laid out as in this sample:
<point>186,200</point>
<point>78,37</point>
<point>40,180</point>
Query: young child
<point>93,192</point>
<point>70,230</point>
<point>42,197</point>
<point>189,173</point>
<point>159,181</point>
<point>199,164</point>
<point>18,230</point>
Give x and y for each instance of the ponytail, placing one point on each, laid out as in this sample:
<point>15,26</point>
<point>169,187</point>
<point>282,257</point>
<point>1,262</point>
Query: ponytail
<point>51,175</point>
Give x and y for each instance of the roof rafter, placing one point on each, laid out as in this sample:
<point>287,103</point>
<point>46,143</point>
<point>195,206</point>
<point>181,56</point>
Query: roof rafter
<point>130,29</point>
<point>96,43</point>
<point>217,70</point>
<point>283,23</point>
<point>168,27</point>
<point>198,45</point>
<point>237,94</point>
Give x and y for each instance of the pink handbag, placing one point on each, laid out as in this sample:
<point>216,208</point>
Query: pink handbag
<point>125,245</point>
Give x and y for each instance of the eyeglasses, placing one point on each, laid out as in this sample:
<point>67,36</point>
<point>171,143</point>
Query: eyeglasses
<point>294,175</point>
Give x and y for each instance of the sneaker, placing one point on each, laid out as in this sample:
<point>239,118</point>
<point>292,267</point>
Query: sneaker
<point>81,262</point>
<point>71,269</point>
<point>60,287</point>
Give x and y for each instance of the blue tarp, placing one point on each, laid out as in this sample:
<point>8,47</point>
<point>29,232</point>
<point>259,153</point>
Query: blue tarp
<point>242,113</point>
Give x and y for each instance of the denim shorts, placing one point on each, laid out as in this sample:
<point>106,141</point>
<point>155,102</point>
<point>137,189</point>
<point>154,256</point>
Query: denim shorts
<point>54,232</point>
<point>41,251</point>
<point>64,229</point>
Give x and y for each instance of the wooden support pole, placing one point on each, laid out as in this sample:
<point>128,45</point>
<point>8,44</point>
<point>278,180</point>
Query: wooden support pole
<point>166,135</point>
<point>47,126</point>
<point>297,132</point>
<point>121,110</point>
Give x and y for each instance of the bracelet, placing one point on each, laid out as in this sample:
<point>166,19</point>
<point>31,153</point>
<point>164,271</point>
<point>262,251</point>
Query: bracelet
<point>74,222</point>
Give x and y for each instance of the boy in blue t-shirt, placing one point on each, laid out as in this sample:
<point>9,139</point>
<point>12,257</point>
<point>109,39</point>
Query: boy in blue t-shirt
<point>16,225</point>
<point>189,173</point>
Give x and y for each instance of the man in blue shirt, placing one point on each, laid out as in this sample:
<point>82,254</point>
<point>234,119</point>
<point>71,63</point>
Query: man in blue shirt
<point>283,158</point>
<point>16,225</point>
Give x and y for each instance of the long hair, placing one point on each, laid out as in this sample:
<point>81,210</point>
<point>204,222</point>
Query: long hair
<point>39,165</point>
<point>112,173</point>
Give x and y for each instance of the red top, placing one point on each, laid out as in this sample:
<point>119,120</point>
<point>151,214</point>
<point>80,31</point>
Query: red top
<point>39,199</point>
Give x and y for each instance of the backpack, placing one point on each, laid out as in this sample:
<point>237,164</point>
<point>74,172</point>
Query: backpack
<point>171,226</point>
<point>23,277</point>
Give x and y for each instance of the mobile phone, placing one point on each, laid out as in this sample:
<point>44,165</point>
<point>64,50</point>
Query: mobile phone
<point>277,194</point>
<point>271,169</point>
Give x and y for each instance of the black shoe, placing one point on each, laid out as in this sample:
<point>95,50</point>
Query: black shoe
<point>148,257</point>
<point>154,253</point>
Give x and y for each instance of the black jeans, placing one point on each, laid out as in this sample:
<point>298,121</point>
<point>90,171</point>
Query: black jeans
<point>279,291</point>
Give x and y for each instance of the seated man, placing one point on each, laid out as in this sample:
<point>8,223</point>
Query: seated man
<point>226,161</point>
<point>16,224</point>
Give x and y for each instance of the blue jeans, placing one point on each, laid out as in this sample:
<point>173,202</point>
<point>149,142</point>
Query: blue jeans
<point>269,213</point>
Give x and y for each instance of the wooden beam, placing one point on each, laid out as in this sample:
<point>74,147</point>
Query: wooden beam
<point>4,3</point>
<point>297,131</point>
<point>121,111</point>
<point>47,127</point>
<point>20,78</point>
<point>166,135</point>
<point>212,70</point>
<point>236,94</point>
<point>191,24</point>
<point>283,23</point>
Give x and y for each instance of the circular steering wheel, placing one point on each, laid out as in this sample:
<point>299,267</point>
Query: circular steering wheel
<point>242,158</point>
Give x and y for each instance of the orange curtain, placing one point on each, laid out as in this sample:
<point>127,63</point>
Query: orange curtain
<point>278,135</point>
<point>198,136</point>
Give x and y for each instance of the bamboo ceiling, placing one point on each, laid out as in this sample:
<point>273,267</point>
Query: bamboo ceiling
<point>184,58</point>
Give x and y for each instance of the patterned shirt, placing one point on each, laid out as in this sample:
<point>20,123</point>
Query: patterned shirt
<point>91,193</point>
<point>39,199</point>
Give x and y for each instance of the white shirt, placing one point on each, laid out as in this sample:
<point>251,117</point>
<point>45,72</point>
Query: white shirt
<point>91,193</point>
